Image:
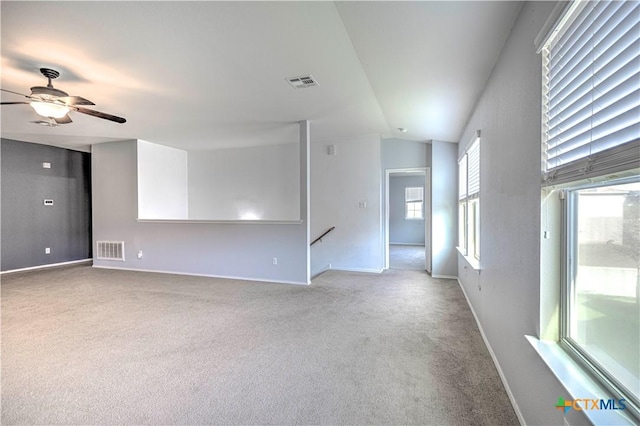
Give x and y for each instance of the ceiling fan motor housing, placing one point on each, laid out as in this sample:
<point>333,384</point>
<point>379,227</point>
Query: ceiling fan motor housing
<point>47,92</point>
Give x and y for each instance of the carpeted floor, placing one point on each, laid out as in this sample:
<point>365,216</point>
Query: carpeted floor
<point>93,346</point>
<point>406,257</point>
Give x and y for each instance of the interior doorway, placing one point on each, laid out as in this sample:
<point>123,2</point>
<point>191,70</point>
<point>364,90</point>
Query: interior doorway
<point>408,219</point>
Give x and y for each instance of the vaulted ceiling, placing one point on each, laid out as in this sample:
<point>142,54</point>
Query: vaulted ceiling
<point>203,75</point>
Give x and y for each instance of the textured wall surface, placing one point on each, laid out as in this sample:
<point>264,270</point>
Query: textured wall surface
<point>28,226</point>
<point>505,293</point>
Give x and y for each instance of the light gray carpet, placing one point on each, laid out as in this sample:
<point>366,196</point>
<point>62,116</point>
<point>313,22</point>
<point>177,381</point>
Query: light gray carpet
<point>406,257</point>
<point>90,346</point>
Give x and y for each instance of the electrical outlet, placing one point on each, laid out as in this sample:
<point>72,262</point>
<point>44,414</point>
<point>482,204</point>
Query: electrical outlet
<point>47,250</point>
<point>275,260</point>
<point>140,254</point>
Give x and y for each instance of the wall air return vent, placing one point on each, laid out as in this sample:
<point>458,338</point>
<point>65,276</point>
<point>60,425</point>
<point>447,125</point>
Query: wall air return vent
<point>111,250</point>
<point>302,81</point>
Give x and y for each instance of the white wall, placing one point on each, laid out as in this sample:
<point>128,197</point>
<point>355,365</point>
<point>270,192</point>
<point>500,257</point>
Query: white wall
<point>505,294</point>
<point>444,209</point>
<point>404,154</point>
<point>339,183</point>
<point>259,183</point>
<point>239,250</point>
<point>162,182</point>
<point>401,230</point>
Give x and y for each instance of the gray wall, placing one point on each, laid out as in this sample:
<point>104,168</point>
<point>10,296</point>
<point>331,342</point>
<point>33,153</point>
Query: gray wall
<point>340,183</point>
<point>259,182</point>
<point>401,230</point>
<point>28,226</point>
<point>404,154</point>
<point>505,295</point>
<point>236,250</point>
<point>444,209</point>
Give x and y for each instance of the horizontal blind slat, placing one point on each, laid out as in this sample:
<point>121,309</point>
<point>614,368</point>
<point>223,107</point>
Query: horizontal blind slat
<point>615,104</point>
<point>474,168</point>
<point>462,177</point>
<point>591,99</point>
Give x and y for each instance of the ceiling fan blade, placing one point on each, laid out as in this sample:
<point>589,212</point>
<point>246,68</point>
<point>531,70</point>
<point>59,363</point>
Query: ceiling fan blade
<point>13,103</point>
<point>15,93</point>
<point>64,120</point>
<point>75,100</point>
<point>100,114</point>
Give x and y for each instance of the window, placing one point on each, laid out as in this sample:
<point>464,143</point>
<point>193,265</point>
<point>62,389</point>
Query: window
<point>469,203</point>
<point>602,310</point>
<point>591,155</point>
<point>413,202</point>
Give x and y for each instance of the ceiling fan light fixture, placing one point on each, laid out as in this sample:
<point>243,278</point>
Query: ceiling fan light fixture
<point>49,110</point>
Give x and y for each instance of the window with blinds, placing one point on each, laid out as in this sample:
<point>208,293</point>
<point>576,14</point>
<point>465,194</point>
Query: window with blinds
<point>473,172</point>
<point>591,160</point>
<point>414,201</point>
<point>591,92</point>
<point>469,203</point>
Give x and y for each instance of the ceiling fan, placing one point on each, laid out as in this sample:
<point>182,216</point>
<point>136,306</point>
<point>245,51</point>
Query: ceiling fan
<point>54,104</point>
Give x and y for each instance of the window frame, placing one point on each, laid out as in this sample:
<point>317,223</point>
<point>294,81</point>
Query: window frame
<point>569,238</point>
<point>410,205</point>
<point>469,203</point>
<point>614,165</point>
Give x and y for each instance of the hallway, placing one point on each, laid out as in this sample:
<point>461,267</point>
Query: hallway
<point>408,257</point>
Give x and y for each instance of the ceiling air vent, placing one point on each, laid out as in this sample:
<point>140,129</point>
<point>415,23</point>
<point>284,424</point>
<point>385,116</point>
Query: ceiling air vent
<point>302,81</point>
<point>110,250</point>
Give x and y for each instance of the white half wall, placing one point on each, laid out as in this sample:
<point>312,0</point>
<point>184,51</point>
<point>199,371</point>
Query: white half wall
<point>162,182</point>
<point>346,193</point>
<point>234,250</point>
<point>250,183</point>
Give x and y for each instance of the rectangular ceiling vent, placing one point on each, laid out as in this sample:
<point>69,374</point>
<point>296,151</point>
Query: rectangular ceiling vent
<point>111,250</point>
<point>302,81</point>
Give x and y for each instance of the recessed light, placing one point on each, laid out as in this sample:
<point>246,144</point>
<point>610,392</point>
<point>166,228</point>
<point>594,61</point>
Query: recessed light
<point>402,129</point>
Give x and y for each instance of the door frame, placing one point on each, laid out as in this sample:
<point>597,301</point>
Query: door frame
<point>426,172</point>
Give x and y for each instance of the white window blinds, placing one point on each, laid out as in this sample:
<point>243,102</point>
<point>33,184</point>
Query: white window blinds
<point>591,92</point>
<point>462,177</point>
<point>474,169</point>
<point>413,194</point>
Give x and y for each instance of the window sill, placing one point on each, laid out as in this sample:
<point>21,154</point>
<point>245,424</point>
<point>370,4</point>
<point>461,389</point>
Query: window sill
<point>578,383</point>
<point>471,260</point>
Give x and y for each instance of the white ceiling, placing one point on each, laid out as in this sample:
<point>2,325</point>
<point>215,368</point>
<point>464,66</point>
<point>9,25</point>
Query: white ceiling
<point>203,75</point>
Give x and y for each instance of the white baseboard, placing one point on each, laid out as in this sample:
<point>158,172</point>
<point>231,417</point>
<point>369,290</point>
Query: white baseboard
<point>516,408</point>
<point>226,277</point>
<point>447,277</point>
<point>51,265</point>
<point>368,271</point>
<point>322,270</point>
<point>407,244</point>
